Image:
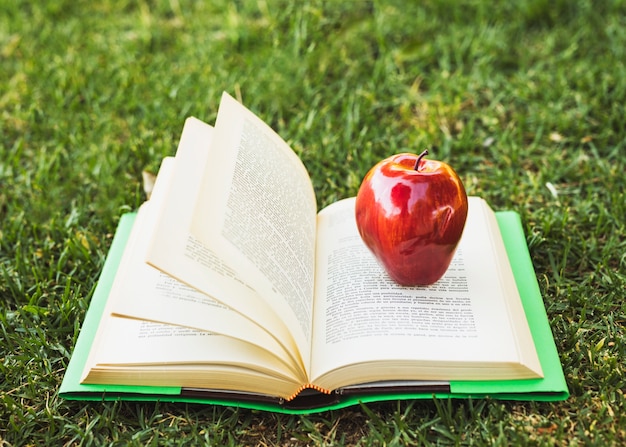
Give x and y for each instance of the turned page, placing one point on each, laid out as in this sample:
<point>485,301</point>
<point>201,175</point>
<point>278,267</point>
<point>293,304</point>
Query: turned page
<point>141,292</point>
<point>361,315</point>
<point>264,222</point>
<point>184,260</point>
<point>248,237</point>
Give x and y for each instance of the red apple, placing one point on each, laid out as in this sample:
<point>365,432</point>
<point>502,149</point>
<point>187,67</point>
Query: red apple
<point>411,213</point>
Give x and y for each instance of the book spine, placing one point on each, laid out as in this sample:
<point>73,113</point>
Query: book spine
<point>308,386</point>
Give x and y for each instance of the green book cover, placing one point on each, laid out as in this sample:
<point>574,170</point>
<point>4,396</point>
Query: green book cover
<point>550,388</point>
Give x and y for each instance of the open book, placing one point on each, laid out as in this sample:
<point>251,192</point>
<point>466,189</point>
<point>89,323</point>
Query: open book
<point>228,285</point>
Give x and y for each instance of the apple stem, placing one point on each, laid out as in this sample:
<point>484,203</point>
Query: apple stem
<point>419,158</point>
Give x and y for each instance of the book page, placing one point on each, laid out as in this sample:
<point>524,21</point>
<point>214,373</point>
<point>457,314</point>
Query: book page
<point>142,353</point>
<point>142,292</point>
<point>176,251</point>
<point>257,208</point>
<point>517,317</point>
<point>363,316</point>
<point>131,343</point>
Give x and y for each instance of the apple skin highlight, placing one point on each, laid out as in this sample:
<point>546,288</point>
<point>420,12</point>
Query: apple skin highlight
<point>410,213</point>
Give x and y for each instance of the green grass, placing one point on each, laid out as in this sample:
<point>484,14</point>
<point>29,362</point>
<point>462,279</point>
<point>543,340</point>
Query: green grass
<point>523,98</point>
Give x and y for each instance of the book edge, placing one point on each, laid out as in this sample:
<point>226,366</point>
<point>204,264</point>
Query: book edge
<point>510,225</point>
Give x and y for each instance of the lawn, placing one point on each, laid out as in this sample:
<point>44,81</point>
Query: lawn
<point>525,99</point>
